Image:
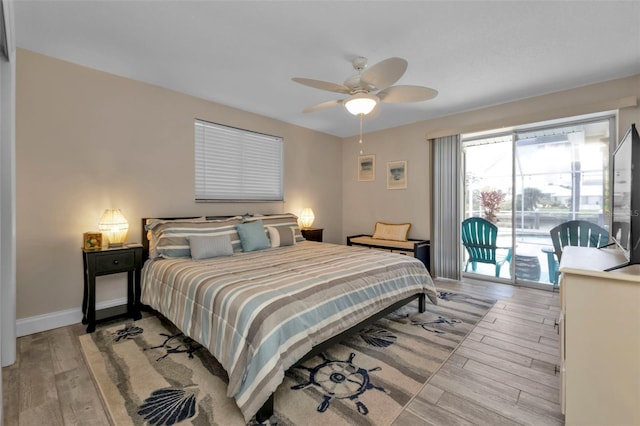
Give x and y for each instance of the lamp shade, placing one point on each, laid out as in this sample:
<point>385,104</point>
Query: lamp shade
<point>361,103</point>
<point>115,226</point>
<point>307,217</point>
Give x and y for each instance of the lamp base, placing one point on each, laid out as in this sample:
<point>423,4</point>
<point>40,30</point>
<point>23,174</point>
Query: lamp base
<point>116,245</point>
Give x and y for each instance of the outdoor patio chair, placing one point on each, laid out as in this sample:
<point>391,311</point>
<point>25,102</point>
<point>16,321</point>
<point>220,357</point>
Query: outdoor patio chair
<point>579,233</point>
<point>479,238</point>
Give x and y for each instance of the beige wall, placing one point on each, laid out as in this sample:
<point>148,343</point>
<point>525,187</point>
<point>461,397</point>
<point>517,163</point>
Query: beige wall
<point>88,140</point>
<point>365,203</point>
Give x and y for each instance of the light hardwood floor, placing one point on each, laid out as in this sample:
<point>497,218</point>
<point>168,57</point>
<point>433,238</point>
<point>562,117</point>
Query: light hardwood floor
<point>502,374</point>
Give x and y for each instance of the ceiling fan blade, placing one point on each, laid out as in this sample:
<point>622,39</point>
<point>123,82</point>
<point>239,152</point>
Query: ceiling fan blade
<point>384,73</point>
<point>400,94</point>
<point>324,105</point>
<point>322,85</point>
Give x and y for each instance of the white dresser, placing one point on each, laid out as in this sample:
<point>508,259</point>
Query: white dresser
<point>600,338</point>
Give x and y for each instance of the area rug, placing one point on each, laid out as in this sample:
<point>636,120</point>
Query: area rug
<point>148,372</point>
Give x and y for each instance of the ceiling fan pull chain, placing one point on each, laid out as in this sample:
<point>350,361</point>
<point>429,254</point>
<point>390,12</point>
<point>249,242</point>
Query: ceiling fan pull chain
<point>361,116</point>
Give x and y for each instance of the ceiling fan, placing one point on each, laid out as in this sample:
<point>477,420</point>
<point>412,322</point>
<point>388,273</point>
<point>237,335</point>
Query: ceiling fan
<point>370,86</point>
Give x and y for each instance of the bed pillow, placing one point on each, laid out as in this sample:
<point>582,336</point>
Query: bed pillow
<point>171,237</point>
<point>253,236</point>
<point>390,231</point>
<point>210,246</point>
<point>281,237</point>
<point>152,237</point>
<point>284,220</point>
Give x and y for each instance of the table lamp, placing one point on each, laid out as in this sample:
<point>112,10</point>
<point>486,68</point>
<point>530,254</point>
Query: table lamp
<point>115,227</point>
<point>307,217</point>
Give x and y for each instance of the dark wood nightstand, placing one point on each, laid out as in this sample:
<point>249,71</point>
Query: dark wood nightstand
<point>106,262</point>
<point>312,234</point>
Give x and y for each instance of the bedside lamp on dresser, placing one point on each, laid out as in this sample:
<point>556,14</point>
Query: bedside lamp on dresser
<point>306,220</point>
<point>115,226</point>
<point>115,258</point>
<point>307,217</point>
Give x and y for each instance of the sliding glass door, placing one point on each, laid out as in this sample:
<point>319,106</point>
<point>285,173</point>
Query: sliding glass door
<point>527,181</point>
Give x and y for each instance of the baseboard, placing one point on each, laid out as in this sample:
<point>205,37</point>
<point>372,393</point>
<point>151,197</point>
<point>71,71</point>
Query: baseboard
<point>31,325</point>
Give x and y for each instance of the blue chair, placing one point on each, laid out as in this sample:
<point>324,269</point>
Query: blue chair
<point>579,233</point>
<point>479,238</point>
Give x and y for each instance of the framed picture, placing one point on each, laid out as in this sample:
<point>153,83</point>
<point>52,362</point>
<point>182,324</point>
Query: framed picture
<point>397,175</point>
<point>366,168</point>
<point>92,240</point>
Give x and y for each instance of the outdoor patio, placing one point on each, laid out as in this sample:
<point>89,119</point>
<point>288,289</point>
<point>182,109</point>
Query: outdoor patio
<point>530,260</point>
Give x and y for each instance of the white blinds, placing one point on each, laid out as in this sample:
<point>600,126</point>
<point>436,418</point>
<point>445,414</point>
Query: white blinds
<point>235,164</point>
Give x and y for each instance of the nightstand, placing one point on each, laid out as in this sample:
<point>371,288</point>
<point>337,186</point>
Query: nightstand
<point>107,262</point>
<point>312,234</point>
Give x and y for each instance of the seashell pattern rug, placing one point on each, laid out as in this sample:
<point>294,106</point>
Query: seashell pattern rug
<point>149,373</point>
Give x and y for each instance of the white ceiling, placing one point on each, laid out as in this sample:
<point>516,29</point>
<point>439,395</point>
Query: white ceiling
<point>244,53</point>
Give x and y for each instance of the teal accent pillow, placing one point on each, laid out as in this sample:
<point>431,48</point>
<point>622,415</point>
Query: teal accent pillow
<point>252,236</point>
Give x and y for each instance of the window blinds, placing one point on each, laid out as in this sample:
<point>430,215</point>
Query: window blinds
<point>235,164</point>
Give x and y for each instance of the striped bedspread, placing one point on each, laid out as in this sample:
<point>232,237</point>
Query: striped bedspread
<point>260,312</point>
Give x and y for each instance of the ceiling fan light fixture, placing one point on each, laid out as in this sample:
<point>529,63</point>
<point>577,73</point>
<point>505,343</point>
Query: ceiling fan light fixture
<point>361,103</point>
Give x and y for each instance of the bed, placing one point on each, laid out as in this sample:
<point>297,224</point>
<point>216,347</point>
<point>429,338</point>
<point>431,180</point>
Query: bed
<point>261,310</point>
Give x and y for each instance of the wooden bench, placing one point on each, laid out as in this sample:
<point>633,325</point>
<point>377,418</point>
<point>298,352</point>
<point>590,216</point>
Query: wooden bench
<point>420,249</point>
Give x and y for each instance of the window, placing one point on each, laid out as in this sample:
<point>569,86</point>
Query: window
<point>528,180</point>
<point>236,165</point>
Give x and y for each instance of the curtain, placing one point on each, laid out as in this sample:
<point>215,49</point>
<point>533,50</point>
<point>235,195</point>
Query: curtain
<point>8,188</point>
<point>446,207</point>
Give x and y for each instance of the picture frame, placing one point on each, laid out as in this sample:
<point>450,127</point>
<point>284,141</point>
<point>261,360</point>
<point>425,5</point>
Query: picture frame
<point>92,240</point>
<point>366,168</point>
<point>397,174</point>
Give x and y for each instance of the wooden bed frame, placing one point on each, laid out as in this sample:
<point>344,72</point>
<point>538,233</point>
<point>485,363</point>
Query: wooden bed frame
<point>267,410</point>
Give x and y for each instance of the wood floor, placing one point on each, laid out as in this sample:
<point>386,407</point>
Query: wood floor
<point>502,374</point>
